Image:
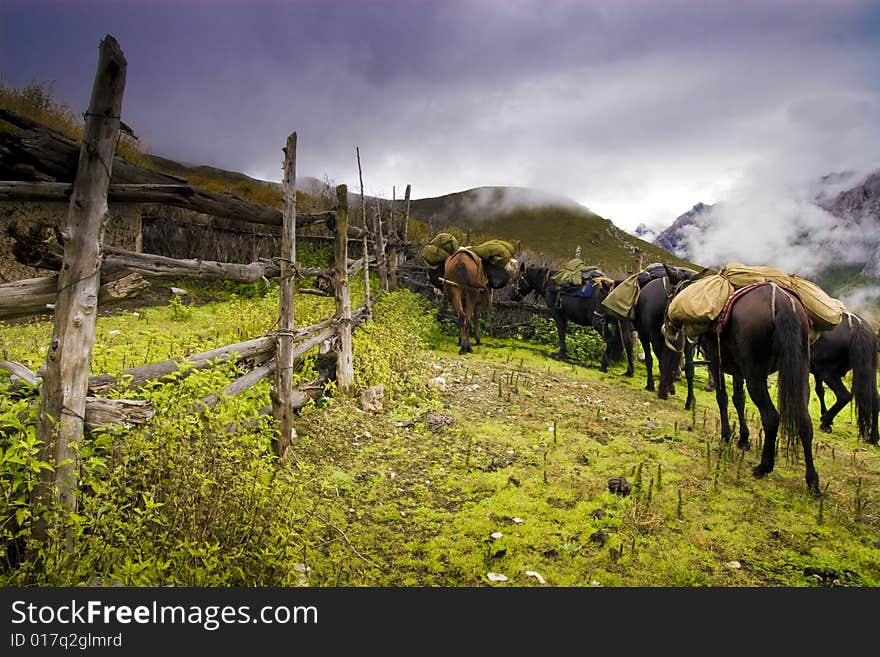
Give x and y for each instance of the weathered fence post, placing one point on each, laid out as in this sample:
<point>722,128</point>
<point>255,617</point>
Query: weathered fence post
<point>283,393</point>
<point>392,243</point>
<point>341,292</point>
<point>368,301</point>
<point>405,232</point>
<point>379,246</point>
<point>66,370</point>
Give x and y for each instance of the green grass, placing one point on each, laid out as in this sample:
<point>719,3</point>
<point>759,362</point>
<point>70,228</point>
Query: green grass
<point>416,494</point>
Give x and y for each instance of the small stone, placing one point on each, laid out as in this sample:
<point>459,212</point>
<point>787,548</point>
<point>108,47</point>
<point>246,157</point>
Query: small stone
<point>496,577</point>
<point>537,576</point>
<point>736,565</point>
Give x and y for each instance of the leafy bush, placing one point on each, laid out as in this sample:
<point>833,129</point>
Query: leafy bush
<point>390,350</point>
<point>583,342</point>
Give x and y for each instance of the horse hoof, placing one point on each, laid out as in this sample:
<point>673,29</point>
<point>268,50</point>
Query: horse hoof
<point>629,373</point>
<point>758,472</point>
<point>744,444</point>
<point>662,395</point>
<point>825,427</point>
<point>649,388</point>
<point>689,404</point>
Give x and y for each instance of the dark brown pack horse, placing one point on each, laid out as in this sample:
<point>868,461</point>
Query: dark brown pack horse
<point>851,345</point>
<point>765,330</point>
<point>585,311</point>
<point>466,287</point>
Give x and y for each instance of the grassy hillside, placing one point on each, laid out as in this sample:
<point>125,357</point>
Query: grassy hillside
<point>497,462</point>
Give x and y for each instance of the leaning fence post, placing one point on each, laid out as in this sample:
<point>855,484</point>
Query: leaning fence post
<point>282,398</point>
<point>341,292</point>
<point>66,370</point>
<point>368,301</point>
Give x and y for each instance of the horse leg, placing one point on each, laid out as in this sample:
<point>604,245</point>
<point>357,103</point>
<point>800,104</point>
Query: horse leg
<point>628,348</point>
<point>561,328</point>
<point>689,375</point>
<point>721,400</point>
<point>649,362</point>
<point>458,305</point>
<point>875,434</point>
<point>739,403</point>
<point>464,341</point>
<point>842,398</point>
<point>769,421</point>
<point>475,320</point>
<point>820,393</point>
<point>806,436</point>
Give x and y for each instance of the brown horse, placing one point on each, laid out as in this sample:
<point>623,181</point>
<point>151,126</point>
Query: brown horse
<point>764,329</point>
<point>466,287</point>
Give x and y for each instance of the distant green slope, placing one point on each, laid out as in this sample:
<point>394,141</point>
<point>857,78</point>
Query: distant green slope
<point>550,232</point>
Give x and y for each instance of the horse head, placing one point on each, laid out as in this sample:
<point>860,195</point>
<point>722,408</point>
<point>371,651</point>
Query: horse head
<point>521,283</point>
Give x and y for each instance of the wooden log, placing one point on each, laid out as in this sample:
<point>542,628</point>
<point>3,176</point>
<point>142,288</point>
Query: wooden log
<point>286,321</point>
<point>21,372</point>
<point>102,412</point>
<point>65,376</point>
<point>34,250</point>
<point>258,374</point>
<point>183,196</point>
<point>342,293</point>
<point>34,296</point>
<point>135,377</point>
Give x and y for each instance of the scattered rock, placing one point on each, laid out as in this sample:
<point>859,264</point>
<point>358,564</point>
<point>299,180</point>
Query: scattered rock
<point>619,486</point>
<point>438,383</point>
<point>736,565</point>
<point>600,537</point>
<point>513,480</point>
<point>598,514</point>
<point>496,535</point>
<point>372,398</point>
<point>537,576</point>
<point>496,577</point>
<point>99,581</point>
<point>436,420</point>
<point>303,571</point>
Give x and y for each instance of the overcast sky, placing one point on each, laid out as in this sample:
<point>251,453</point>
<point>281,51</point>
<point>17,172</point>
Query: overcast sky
<point>636,109</point>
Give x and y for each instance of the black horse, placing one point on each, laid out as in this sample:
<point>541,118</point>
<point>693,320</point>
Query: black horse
<point>764,329</point>
<point>568,306</point>
<point>648,317</point>
<point>851,345</point>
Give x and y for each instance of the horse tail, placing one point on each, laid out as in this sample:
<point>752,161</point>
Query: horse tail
<point>863,361</point>
<point>792,344</point>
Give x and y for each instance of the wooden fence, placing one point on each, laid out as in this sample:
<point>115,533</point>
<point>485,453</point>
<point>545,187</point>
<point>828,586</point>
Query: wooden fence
<point>89,276</point>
